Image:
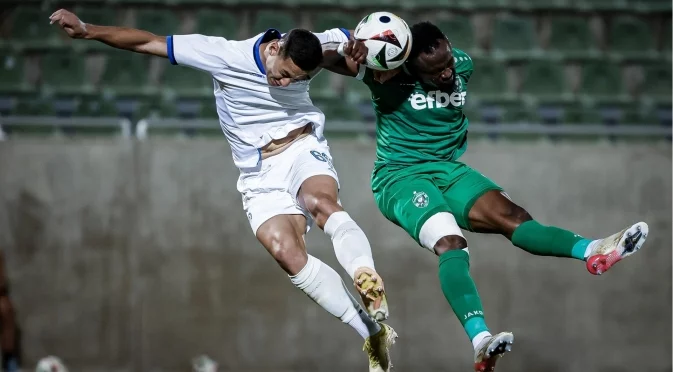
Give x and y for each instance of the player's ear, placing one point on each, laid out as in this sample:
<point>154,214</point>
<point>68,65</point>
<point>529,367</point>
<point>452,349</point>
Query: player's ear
<point>274,48</point>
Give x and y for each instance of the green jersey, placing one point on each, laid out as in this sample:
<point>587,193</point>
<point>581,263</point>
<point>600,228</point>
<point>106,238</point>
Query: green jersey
<point>416,124</point>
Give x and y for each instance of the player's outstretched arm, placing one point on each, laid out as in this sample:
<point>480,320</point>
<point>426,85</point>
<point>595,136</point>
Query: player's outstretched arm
<point>345,58</point>
<point>119,37</point>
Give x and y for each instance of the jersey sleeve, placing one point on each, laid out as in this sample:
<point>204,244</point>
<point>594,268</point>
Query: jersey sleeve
<point>206,53</point>
<point>335,35</point>
<point>464,66</point>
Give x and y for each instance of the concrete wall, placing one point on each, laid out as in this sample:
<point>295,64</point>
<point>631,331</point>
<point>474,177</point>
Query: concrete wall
<point>136,257</point>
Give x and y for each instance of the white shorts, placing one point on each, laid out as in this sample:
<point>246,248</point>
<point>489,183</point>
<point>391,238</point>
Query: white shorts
<point>271,188</point>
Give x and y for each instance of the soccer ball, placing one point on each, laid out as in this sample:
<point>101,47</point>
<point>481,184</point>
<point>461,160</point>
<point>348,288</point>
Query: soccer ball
<point>388,39</point>
<point>50,364</point>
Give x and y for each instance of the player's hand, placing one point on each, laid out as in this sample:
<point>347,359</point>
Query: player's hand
<point>356,50</point>
<point>69,22</point>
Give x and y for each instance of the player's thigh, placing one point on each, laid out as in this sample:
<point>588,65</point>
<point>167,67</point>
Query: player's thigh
<point>495,213</point>
<point>314,180</point>
<point>410,202</point>
<point>468,186</point>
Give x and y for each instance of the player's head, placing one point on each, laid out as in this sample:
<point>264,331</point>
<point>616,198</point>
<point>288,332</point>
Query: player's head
<point>431,56</point>
<point>292,57</point>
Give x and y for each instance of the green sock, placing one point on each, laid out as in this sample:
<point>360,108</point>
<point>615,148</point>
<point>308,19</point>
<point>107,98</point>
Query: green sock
<point>549,241</point>
<point>460,291</point>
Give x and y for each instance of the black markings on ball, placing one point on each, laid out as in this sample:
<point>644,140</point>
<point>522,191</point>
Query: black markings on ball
<point>384,19</point>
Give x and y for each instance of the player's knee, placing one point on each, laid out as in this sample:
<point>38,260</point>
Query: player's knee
<point>321,205</point>
<point>449,243</point>
<point>441,233</point>
<point>515,215</point>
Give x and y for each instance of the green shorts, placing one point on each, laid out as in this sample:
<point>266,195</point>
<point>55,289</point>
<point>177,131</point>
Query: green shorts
<point>410,195</point>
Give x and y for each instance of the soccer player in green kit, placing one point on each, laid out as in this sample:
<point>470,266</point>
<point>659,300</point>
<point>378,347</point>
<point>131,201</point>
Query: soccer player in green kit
<point>419,183</point>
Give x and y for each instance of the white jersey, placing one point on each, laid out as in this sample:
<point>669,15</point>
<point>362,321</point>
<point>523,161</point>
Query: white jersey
<point>252,113</point>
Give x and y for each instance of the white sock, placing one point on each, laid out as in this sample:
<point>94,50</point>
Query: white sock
<point>591,246</point>
<point>479,338</point>
<point>324,286</point>
<point>351,246</point>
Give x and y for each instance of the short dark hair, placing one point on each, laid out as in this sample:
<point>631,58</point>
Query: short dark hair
<point>303,47</point>
<point>426,37</point>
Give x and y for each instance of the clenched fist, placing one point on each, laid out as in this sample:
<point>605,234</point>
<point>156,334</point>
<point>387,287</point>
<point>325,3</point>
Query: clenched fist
<point>355,49</point>
<point>69,22</point>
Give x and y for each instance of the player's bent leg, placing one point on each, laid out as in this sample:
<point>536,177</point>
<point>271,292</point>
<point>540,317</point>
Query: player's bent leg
<point>495,213</point>
<point>319,195</point>
<point>282,236</point>
<point>441,234</point>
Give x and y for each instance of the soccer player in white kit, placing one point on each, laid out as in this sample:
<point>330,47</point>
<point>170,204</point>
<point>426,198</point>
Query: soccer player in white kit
<point>287,179</point>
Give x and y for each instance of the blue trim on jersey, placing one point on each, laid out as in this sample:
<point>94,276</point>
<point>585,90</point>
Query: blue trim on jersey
<point>270,34</point>
<point>171,55</point>
<point>259,152</point>
<point>348,34</point>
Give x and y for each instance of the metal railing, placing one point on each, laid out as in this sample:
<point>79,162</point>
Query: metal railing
<point>125,126</point>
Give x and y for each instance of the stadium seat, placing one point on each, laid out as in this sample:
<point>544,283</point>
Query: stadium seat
<point>278,19</point>
<point>489,78</point>
<point>158,21</point>
<point>666,37</point>
<point>30,26</point>
<point>97,15</point>
<point>514,36</point>
<point>187,81</point>
<point>124,71</point>
<point>321,86</point>
<point>217,22</point>
<point>631,37</point>
<point>334,110</point>
<point>356,91</point>
<point>63,72</point>
<point>458,30</point>
<point>571,35</point>
<point>602,81</point>
<point>544,80</point>
<point>658,82</point>
<point>95,106</point>
<point>328,20</point>
<point>12,73</point>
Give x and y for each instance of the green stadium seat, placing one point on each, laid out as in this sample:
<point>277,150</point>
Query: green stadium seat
<point>187,81</point>
<point>602,81</point>
<point>489,78</point>
<point>514,36</point>
<point>666,37</point>
<point>658,82</point>
<point>632,38</point>
<point>12,73</point>
<point>571,36</point>
<point>370,3</point>
<point>321,85</point>
<point>30,26</point>
<point>544,80</point>
<point>328,20</point>
<point>94,106</point>
<point>602,5</point>
<point>97,15</point>
<point>356,91</point>
<point>458,30</point>
<point>124,71</point>
<point>278,19</point>
<point>158,21</point>
<point>217,22</point>
<point>335,109</point>
<point>64,72</point>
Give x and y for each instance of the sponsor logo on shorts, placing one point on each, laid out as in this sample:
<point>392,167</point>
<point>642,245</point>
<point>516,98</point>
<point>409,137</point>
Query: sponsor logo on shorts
<point>249,216</point>
<point>420,199</point>
<point>324,158</point>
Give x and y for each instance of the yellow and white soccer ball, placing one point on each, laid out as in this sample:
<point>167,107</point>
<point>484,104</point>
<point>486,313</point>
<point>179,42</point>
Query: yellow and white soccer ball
<point>388,39</point>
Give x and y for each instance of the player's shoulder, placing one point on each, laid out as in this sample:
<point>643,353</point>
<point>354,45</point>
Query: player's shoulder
<point>463,61</point>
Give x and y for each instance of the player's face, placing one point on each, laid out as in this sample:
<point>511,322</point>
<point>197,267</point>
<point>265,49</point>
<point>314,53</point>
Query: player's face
<point>437,67</point>
<point>281,72</point>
